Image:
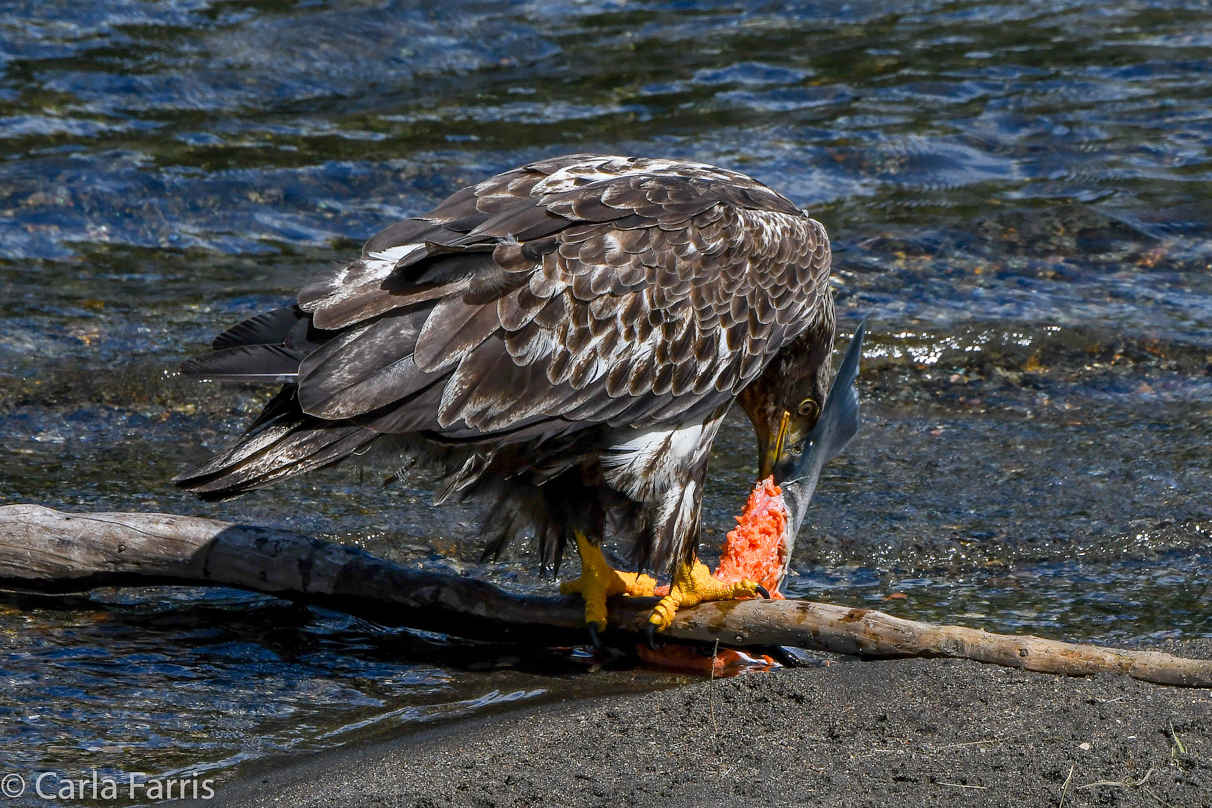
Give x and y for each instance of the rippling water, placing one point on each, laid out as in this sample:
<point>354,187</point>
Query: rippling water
<point>1018,194</point>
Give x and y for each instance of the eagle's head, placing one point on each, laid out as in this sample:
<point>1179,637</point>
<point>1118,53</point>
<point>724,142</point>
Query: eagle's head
<point>785,401</point>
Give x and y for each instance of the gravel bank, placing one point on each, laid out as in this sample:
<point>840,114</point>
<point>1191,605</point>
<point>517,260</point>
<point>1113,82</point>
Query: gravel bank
<point>887,733</point>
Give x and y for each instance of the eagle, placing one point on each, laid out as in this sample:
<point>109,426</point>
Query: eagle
<point>563,341</point>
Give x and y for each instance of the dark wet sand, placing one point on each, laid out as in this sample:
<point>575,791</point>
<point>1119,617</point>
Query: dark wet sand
<point>887,733</point>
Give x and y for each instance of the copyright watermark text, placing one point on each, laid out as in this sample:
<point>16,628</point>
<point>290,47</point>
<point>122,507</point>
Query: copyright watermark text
<point>96,786</point>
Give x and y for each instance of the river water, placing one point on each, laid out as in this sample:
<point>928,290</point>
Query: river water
<point>1018,194</point>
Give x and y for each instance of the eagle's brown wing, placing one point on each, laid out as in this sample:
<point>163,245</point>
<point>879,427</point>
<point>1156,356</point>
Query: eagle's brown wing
<point>581,290</point>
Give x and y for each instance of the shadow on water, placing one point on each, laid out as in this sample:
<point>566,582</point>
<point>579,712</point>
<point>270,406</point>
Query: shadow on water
<point>1017,193</point>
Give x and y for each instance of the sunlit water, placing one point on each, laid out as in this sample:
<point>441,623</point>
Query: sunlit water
<point>1018,195</point>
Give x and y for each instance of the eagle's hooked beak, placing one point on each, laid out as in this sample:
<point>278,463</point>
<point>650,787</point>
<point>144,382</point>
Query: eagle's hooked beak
<point>775,451</point>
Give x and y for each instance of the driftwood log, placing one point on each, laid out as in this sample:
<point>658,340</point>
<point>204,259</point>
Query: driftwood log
<point>44,550</point>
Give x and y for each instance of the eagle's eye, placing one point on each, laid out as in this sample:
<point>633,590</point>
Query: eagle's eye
<point>807,408</point>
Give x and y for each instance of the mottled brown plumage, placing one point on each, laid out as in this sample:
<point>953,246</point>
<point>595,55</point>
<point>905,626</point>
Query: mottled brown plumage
<point>565,337</point>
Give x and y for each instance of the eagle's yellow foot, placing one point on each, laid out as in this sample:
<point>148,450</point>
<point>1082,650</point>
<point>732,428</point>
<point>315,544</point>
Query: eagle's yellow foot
<point>600,581</point>
<point>693,584</point>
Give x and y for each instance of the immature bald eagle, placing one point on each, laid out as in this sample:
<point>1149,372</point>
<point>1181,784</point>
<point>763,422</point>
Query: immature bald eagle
<point>564,338</point>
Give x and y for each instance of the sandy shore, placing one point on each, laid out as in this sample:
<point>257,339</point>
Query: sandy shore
<point>888,733</point>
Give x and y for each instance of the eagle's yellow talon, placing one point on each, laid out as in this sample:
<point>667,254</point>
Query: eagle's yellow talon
<point>693,584</point>
<point>599,581</point>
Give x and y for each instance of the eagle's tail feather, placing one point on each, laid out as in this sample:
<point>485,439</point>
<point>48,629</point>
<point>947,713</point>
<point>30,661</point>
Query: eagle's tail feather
<point>265,348</point>
<point>246,363</point>
<point>267,328</point>
<point>283,442</point>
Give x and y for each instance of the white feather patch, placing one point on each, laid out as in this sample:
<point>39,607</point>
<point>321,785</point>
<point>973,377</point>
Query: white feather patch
<point>395,254</point>
<point>687,512</point>
<point>369,271</point>
<point>647,461</point>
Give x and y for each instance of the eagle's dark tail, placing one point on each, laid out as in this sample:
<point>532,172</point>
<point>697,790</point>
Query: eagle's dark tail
<point>283,441</point>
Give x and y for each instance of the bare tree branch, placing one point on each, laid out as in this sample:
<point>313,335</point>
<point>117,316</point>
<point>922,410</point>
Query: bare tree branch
<point>48,551</point>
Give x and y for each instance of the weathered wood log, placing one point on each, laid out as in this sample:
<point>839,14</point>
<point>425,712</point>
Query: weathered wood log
<point>45,550</point>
